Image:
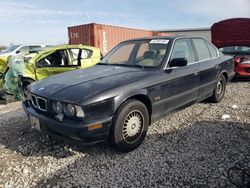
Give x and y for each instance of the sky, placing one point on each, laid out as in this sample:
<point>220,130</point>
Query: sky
<point>46,21</point>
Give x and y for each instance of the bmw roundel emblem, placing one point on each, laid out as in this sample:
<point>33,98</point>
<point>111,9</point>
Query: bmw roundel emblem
<point>41,88</point>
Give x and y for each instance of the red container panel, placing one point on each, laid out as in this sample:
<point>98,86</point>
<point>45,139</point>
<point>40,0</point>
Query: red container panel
<point>104,37</point>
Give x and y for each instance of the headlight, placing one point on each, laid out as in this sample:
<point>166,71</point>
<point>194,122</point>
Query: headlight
<point>57,107</point>
<point>69,110</point>
<point>73,110</point>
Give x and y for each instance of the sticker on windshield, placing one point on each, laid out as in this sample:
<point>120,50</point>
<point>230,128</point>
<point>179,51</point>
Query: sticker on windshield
<point>159,41</point>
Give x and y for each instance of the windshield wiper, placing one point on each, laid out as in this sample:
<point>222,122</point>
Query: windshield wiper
<point>102,63</point>
<point>111,64</point>
<point>127,65</point>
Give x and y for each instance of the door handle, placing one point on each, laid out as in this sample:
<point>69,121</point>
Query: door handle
<point>195,73</point>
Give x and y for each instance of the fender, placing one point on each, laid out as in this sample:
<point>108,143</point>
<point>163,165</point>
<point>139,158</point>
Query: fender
<point>122,98</point>
<point>225,73</point>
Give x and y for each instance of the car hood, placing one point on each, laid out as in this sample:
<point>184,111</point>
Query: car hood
<point>231,32</point>
<point>79,85</point>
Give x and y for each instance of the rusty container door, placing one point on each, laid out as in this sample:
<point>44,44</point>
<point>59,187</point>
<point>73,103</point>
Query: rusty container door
<point>82,34</point>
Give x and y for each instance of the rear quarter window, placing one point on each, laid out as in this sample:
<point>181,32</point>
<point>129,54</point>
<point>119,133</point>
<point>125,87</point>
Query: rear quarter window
<point>75,52</point>
<point>212,50</point>
<point>202,49</point>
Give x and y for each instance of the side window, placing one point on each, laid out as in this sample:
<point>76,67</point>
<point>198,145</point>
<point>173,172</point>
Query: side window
<point>75,54</point>
<point>23,50</point>
<point>78,54</point>
<point>121,54</point>
<point>202,49</point>
<point>86,54</point>
<point>34,48</point>
<point>57,59</point>
<point>183,49</point>
<point>212,50</point>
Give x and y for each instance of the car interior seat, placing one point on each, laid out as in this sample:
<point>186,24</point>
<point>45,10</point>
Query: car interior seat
<point>149,59</point>
<point>149,55</point>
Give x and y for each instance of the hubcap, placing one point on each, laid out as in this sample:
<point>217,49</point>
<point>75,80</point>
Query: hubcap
<point>132,126</point>
<point>220,88</point>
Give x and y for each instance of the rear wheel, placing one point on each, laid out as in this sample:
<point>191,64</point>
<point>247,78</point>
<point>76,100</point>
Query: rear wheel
<point>130,126</point>
<point>219,90</point>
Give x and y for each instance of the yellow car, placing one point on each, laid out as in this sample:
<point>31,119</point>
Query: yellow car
<point>3,65</point>
<point>24,70</point>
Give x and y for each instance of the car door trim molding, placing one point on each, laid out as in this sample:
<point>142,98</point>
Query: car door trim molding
<point>176,96</point>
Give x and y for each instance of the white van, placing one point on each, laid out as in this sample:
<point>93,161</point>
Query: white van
<point>24,49</point>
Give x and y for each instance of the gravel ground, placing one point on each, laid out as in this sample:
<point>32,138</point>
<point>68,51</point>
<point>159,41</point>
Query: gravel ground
<point>191,148</point>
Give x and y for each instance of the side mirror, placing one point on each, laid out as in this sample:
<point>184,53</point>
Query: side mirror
<point>178,62</point>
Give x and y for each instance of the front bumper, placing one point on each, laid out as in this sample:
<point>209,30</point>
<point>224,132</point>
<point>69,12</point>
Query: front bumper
<point>73,131</point>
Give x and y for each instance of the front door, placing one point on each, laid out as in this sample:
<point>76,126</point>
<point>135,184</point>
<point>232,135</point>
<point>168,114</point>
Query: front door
<point>54,63</point>
<point>182,84</point>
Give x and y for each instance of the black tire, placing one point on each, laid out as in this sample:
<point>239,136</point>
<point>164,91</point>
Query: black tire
<point>130,126</point>
<point>219,90</point>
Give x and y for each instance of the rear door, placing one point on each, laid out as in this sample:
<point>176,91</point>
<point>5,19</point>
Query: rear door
<point>209,67</point>
<point>183,85</point>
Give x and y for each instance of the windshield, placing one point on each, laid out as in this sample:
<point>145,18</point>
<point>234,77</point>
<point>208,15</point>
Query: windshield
<point>146,53</point>
<point>241,50</point>
<point>10,49</point>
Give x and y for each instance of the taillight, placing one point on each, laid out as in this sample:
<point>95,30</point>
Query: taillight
<point>237,60</point>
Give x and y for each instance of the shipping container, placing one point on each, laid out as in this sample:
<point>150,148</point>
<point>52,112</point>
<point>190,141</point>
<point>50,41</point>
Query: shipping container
<point>102,36</point>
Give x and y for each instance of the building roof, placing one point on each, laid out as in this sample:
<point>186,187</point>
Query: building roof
<point>185,30</point>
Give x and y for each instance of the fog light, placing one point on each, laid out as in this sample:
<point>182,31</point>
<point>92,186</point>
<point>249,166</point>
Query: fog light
<point>70,110</point>
<point>57,107</point>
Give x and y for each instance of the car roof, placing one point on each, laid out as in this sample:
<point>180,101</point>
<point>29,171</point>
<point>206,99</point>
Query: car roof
<point>62,47</point>
<point>68,46</point>
<point>172,37</point>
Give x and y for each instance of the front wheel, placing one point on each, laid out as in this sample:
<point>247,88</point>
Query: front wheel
<point>219,90</point>
<point>130,126</point>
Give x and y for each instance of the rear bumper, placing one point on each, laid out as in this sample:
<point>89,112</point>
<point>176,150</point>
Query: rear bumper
<point>72,131</point>
<point>242,70</point>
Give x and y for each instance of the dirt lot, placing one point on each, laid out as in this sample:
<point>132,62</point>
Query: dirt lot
<point>191,148</point>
